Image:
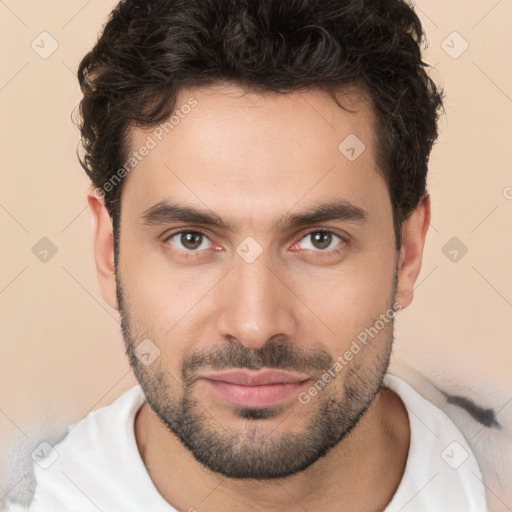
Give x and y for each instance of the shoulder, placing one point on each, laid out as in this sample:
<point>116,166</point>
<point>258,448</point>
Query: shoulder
<point>441,472</point>
<point>70,473</point>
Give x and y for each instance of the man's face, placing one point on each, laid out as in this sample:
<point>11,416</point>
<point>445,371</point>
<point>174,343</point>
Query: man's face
<point>258,292</point>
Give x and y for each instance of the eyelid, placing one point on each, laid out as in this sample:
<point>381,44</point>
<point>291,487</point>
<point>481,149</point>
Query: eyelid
<point>179,232</point>
<point>333,231</point>
<point>343,237</point>
<point>167,235</point>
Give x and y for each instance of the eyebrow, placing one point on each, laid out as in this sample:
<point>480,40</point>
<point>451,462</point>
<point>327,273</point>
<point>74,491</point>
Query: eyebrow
<point>165,212</point>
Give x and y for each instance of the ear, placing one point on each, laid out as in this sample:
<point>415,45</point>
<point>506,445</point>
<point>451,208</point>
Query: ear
<point>103,240</point>
<point>414,232</point>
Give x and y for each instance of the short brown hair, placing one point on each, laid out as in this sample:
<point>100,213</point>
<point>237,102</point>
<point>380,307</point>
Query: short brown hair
<point>150,50</point>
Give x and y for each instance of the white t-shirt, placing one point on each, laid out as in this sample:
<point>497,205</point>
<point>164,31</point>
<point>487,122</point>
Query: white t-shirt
<point>97,466</point>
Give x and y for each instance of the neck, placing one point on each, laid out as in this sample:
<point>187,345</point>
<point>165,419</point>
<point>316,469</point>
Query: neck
<point>372,456</point>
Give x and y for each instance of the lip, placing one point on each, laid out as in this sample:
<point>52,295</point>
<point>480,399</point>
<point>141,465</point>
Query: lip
<point>256,378</point>
<point>262,388</point>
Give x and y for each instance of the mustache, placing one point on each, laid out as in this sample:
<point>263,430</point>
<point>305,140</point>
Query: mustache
<point>273,354</point>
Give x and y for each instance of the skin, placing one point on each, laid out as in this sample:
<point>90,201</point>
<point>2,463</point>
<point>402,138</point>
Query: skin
<point>252,159</point>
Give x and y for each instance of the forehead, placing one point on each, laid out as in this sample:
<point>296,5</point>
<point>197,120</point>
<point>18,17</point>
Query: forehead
<point>255,155</point>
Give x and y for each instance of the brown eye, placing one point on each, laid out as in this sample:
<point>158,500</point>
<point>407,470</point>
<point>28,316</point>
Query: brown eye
<point>188,241</point>
<point>321,241</point>
<point>191,240</point>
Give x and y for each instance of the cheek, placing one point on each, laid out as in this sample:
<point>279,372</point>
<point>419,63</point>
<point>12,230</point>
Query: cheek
<point>166,302</point>
<point>349,297</point>
<point>157,289</point>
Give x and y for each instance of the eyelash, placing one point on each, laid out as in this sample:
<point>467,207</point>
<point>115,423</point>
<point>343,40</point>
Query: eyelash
<point>195,254</point>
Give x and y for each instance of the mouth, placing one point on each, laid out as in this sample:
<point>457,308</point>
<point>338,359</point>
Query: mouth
<point>261,388</point>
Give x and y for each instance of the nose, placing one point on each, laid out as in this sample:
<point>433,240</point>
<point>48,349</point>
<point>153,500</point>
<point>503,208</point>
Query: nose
<point>255,304</point>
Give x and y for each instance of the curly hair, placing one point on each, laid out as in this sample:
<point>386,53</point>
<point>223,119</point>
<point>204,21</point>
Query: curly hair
<point>149,51</point>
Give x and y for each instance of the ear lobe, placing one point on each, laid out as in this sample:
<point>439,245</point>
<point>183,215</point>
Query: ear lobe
<point>414,232</point>
<point>103,240</point>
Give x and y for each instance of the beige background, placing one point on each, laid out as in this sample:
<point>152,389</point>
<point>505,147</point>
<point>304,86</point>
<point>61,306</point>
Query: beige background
<point>61,349</point>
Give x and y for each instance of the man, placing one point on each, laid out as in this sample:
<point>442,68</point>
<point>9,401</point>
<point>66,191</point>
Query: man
<point>259,213</point>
